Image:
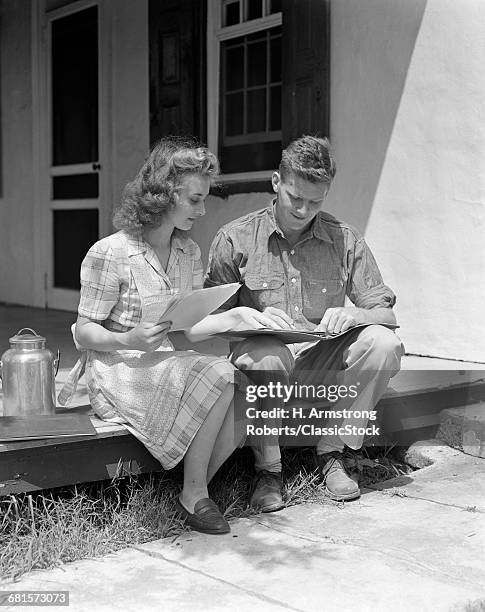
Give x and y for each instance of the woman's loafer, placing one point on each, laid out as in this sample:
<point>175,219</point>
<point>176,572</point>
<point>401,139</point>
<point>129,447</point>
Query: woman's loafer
<point>206,518</point>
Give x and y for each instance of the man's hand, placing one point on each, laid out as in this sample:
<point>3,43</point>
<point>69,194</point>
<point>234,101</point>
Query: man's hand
<point>250,318</point>
<point>336,320</point>
<point>147,336</point>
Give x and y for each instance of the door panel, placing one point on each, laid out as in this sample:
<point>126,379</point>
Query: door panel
<point>74,61</point>
<point>177,68</point>
<point>70,247</point>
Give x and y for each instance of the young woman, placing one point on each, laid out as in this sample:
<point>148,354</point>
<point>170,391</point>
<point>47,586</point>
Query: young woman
<point>180,404</point>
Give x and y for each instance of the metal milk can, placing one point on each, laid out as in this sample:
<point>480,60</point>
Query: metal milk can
<point>28,373</point>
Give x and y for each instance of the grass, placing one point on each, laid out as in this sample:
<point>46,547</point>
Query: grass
<point>47,529</point>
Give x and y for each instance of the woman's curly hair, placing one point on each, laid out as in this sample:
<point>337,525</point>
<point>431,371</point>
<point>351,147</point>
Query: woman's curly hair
<point>146,199</point>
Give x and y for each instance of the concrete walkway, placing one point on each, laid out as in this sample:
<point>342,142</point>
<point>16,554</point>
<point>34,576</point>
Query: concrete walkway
<point>413,543</point>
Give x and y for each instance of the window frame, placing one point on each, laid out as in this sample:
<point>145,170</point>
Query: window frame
<point>216,34</point>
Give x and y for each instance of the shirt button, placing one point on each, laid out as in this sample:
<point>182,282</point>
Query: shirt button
<point>292,252</point>
<point>293,280</point>
<point>265,284</point>
<point>296,308</point>
<point>324,290</point>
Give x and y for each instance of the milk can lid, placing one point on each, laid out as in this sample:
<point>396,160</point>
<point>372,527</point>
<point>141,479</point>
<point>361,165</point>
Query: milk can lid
<point>32,340</point>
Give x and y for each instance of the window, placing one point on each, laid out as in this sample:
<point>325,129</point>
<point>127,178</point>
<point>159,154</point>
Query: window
<point>245,85</point>
<point>267,80</point>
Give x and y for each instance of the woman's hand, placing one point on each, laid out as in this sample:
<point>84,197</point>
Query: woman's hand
<point>238,319</point>
<point>147,336</point>
<point>250,318</point>
<point>280,317</point>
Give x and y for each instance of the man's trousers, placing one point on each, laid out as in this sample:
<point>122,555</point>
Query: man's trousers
<point>366,357</point>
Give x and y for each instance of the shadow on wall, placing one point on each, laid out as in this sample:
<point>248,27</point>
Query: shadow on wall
<point>371,49</point>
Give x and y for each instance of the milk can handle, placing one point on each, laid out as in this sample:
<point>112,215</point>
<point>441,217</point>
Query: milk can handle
<point>28,329</point>
<point>55,363</point>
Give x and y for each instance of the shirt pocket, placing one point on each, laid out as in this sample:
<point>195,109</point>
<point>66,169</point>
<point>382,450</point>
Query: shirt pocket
<point>266,292</point>
<point>320,294</point>
<point>185,275</point>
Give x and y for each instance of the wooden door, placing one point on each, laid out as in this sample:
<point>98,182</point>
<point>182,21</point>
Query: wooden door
<point>75,150</point>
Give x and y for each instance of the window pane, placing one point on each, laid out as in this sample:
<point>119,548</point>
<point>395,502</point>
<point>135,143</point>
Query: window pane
<point>275,6</point>
<point>234,68</point>
<point>275,50</point>
<point>75,186</point>
<point>234,114</point>
<point>275,108</point>
<point>231,16</point>
<point>257,64</point>
<point>250,101</point>
<point>74,232</point>
<point>256,111</point>
<point>75,87</point>
<point>255,9</point>
<point>251,157</point>
<point>261,35</point>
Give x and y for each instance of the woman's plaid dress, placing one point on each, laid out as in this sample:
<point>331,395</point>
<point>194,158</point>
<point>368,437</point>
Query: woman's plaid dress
<point>163,397</point>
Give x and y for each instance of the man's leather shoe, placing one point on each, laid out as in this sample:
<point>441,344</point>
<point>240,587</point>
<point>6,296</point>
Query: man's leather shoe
<point>338,484</point>
<point>266,492</point>
<point>206,517</point>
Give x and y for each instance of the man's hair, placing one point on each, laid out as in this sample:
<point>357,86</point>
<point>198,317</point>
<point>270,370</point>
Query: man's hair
<point>147,198</point>
<point>308,157</point>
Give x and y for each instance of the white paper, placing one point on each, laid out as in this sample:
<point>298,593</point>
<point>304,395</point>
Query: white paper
<point>187,309</point>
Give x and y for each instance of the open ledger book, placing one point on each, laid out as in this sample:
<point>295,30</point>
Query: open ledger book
<point>34,427</point>
<point>188,308</point>
<point>289,336</point>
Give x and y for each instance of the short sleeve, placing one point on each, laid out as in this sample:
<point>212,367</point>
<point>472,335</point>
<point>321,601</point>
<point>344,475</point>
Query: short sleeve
<point>366,286</point>
<point>100,284</point>
<point>222,268</point>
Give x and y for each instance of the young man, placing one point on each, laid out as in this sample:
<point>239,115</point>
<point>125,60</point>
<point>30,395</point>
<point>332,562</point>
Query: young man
<point>297,264</point>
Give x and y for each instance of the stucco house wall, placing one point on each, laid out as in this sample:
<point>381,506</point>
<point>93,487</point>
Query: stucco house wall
<point>407,122</point>
<point>16,200</point>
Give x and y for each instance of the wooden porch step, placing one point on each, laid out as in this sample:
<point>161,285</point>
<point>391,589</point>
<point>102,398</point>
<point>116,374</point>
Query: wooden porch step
<point>411,409</point>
